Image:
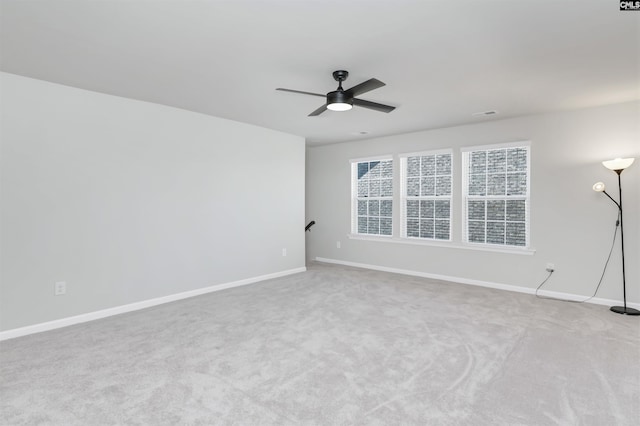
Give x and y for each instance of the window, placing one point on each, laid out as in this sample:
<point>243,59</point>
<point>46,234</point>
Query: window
<point>372,197</point>
<point>496,195</point>
<point>426,195</point>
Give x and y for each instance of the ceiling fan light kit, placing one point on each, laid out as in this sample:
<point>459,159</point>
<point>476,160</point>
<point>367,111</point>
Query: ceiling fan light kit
<point>344,100</point>
<point>339,101</point>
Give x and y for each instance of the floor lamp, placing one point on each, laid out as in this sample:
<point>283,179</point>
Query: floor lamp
<point>618,165</point>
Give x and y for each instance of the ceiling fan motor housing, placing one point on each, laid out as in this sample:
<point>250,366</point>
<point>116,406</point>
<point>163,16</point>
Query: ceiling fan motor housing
<point>339,97</point>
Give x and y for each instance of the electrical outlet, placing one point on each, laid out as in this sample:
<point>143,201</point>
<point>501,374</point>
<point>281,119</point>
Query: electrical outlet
<point>284,251</point>
<point>60,288</point>
<point>551,267</point>
<point>337,244</point>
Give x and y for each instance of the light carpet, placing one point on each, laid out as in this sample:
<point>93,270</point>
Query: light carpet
<point>333,346</point>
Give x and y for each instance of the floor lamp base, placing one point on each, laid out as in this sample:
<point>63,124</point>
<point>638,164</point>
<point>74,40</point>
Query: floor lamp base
<point>624,311</point>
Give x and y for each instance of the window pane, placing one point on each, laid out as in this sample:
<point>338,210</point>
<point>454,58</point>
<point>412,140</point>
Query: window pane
<point>443,185</point>
<point>516,234</point>
<point>497,161</point>
<point>363,188</point>
<point>385,226</point>
<point>476,210</point>
<point>362,224</point>
<point>363,168</point>
<point>428,167</point>
<point>374,188</point>
<point>413,187</point>
<point>442,229</point>
<point>495,232</point>
<point>442,209</point>
<point>495,210</point>
<point>373,225</point>
<point>386,208</point>
<point>374,208</point>
<point>362,208</point>
<point>517,160</point>
<point>443,164</point>
<point>413,208</point>
<point>516,210</point>
<point>428,186</point>
<point>426,208</point>
<point>413,166</point>
<point>496,185</point>
<point>386,169</point>
<point>426,228</point>
<point>413,228</point>
<point>374,169</point>
<point>517,184</point>
<point>386,188</point>
<point>476,231</point>
<point>477,184</point>
<point>478,162</point>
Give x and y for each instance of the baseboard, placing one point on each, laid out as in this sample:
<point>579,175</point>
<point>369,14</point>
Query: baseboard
<point>488,284</point>
<point>91,316</point>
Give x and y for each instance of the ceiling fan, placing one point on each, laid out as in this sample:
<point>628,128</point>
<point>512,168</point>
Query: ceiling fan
<point>343,100</point>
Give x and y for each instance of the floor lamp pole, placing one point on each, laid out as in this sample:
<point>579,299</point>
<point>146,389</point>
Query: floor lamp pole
<point>622,309</point>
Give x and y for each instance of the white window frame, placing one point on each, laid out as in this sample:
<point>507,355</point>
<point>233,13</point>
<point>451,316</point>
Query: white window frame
<point>404,198</point>
<point>355,198</point>
<point>466,152</point>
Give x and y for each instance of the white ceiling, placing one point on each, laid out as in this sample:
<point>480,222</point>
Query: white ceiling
<point>442,60</point>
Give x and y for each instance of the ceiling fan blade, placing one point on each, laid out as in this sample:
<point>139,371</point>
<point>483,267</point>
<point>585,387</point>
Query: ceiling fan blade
<point>298,91</point>
<point>319,111</point>
<point>373,105</point>
<point>367,86</point>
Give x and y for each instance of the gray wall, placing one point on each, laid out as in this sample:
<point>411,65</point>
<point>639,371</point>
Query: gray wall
<point>127,201</point>
<point>571,226</point>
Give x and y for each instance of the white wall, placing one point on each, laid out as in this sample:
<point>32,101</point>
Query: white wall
<point>572,226</point>
<point>127,201</point>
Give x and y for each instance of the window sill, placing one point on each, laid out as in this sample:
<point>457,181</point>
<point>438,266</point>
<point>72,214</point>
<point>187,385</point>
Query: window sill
<point>444,244</point>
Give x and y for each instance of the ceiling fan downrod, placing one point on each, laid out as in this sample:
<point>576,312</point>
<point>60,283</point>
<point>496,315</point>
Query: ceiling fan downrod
<point>340,76</point>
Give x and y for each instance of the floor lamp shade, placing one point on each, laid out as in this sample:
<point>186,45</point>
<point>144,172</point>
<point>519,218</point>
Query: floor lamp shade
<point>618,163</point>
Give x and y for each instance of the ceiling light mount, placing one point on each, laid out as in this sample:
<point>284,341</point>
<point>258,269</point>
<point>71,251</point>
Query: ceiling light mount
<point>340,76</point>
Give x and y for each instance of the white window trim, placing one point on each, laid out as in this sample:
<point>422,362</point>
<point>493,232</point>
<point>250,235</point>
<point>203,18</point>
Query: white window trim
<point>444,244</point>
<point>403,195</point>
<point>372,158</point>
<point>431,152</point>
<point>354,193</point>
<point>516,144</point>
<point>465,197</point>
